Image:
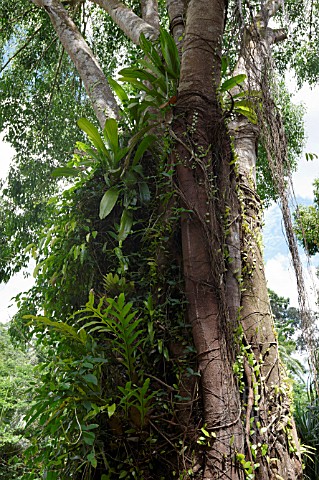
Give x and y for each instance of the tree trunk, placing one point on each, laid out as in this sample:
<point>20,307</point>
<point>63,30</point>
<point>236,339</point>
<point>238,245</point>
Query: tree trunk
<point>199,154</point>
<point>268,414</point>
<point>220,242</point>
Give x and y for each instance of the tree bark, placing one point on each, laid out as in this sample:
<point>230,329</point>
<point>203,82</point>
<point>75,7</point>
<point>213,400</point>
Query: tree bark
<point>200,149</point>
<point>269,415</point>
<point>150,13</point>
<point>177,13</point>
<point>97,88</point>
<point>130,23</point>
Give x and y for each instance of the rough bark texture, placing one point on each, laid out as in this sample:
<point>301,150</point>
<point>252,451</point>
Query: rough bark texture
<point>102,98</point>
<point>199,127</point>
<point>150,13</point>
<point>176,12</point>
<point>131,24</point>
<point>269,407</point>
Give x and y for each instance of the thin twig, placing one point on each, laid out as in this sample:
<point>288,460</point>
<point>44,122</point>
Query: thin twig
<point>21,48</point>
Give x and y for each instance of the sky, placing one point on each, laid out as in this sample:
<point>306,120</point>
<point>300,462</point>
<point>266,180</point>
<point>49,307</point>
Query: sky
<point>278,267</point>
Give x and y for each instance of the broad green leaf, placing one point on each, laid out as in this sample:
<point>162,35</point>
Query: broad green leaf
<point>88,438</point>
<point>139,85</point>
<point>120,154</point>
<point>150,66</point>
<point>170,54</point>
<point>65,172</point>
<point>145,194</point>
<point>137,74</point>
<point>111,409</point>
<point>118,89</point>
<point>92,426</point>
<point>143,146</point>
<point>149,49</point>
<point>111,134</point>
<point>232,82</point>
<point>125,224</point>
<point>247,112</point>
<point>92,459</point>
<point>93,134</point>
<point>89,377</point>
<point>52,475</point>
<point>108,201</point>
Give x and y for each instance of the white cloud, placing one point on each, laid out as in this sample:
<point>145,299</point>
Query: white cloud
<point>17,284</point>
<point>308,170</point>
<point>281,278</point>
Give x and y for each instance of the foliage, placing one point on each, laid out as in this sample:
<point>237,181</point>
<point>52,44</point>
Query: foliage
<point>287,321</point>
<point>307,422</point>
<point>292,116</point>
<point>16,381</point>
<point>41,99</point>
<point>307,223</point>
<point>99,395</point>
<point>300,53</point>
<point>288,326</point>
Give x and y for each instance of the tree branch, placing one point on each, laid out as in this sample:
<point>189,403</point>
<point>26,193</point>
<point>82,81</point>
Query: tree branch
<point>97,88</point>
<point>150,13</point>
<point>21,48</point>
<point>176,14</point>
<point>267,11</point>
<point>130,23</point>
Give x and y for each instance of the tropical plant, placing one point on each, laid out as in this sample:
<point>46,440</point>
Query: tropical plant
<point>160,211</point>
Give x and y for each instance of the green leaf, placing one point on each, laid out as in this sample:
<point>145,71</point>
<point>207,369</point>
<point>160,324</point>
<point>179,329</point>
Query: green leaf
<point>145,194</point>
<point>108,201</point>
<point>90,378</point>
<point>118,89</point>
<point>150,66</point>
<point>65,172</point>
<point>170,54</point>
<point>149,49</point>
<point>92,426</point>
<point>137,74</point>
<point>60,327</point>
<point>111,409</point>
<point>88,437</point>
<point>143,146</point>
<point>92,459</point>
<point>52,475</point>
<point>140,86</point>
<point>246,112</point>
<point>93,134</point>
<point>125,224</point>
<point>111,134</point>
<point>232,82</point>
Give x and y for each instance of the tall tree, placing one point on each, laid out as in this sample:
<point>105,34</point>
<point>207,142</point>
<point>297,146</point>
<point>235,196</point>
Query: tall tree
<point>235,421</point>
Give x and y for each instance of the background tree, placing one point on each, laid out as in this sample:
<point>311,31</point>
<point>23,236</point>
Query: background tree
<point>16,383</point>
